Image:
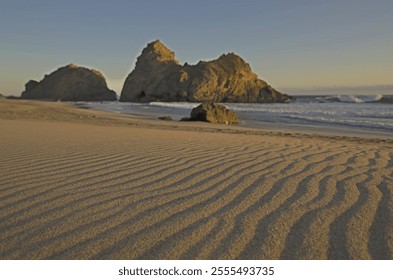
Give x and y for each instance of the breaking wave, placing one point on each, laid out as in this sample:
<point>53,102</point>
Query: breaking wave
<point>360,99</point>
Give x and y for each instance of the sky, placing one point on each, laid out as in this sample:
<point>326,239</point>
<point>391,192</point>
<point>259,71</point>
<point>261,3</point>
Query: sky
<point>291,44</point>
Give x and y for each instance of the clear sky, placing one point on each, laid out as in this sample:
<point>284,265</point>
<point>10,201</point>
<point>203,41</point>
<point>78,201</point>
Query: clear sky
<point>288,43</point>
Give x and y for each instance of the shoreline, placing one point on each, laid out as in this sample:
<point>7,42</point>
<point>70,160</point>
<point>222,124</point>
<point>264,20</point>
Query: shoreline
<point>98,116</point>
<point>153,112</point>
<point>70,112</point>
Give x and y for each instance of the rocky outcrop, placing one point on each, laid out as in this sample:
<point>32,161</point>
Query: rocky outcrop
<point>165,118</point>
<point>2,96</point>
<point>159,76</point>
<point>70,83</point>
<point>213,113</point>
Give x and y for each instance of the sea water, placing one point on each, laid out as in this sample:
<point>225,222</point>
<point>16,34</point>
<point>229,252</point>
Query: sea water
<point>366,115</point>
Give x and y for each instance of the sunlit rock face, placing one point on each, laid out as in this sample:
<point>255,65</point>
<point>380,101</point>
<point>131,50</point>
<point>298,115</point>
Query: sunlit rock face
<point>70,83</point>
<point>158,76</point>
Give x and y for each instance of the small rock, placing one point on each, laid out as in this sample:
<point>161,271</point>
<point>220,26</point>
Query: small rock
<point>213,113</point>
<point>165,118</point>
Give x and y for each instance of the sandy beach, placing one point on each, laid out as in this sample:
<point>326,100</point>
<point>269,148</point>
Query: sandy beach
<point>83,184</point>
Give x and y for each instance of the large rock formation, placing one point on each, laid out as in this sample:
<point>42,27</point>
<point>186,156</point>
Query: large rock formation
<point>159,76</point>
<point>70,83</point>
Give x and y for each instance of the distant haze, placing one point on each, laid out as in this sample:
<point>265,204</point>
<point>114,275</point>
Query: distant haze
<point>291,44</point>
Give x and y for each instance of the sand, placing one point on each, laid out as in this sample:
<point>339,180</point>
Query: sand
<point>80,184</point>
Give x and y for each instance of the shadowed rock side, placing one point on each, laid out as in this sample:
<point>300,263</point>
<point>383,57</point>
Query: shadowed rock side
<point>159,76</point>
<point>70,83</point>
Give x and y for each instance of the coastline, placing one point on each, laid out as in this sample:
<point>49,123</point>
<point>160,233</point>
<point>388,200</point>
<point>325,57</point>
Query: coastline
<point>85,184</point>
<point>248,120</point>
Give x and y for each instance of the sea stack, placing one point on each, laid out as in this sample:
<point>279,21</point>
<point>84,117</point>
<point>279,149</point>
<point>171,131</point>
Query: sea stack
<point>158,76</point>
<point>70,83</point>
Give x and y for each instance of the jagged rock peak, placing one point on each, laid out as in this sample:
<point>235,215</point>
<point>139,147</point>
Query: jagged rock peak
<point>159,52</point>
<point>233,57</point>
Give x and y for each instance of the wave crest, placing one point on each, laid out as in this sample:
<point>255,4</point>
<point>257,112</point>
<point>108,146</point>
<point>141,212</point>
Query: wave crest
<point>359,99</point>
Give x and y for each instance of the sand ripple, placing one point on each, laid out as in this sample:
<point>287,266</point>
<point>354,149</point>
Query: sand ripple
<point>76,191</point>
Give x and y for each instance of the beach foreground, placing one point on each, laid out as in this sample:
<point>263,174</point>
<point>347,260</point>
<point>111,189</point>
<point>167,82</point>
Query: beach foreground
<point>80,184</point>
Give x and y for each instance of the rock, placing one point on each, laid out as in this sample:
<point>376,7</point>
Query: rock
<point>213,113</point>
<point>2,96</point>
<point>154,76</point>
<point>70,83</point>
<point>165,118</point>
<point>12,97</point>
<point>159,76</point>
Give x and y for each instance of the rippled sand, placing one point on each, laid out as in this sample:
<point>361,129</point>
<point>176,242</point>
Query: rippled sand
<point>77,184</point>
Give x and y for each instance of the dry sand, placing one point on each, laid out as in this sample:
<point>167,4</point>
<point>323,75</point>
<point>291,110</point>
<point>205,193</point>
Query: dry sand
<point>78,184</point>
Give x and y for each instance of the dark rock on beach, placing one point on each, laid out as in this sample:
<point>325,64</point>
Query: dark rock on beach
<point>165,118</point>
<point>213,113</point>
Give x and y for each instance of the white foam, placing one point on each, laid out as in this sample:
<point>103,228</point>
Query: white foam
<point>360,98</point>
<point>362,112</point>
<point>179,105</point>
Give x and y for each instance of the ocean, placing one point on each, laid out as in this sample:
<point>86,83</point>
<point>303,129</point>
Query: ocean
<point>366,116</point>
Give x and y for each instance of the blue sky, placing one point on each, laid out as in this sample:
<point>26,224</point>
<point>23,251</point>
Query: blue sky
<point>290,44</point>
